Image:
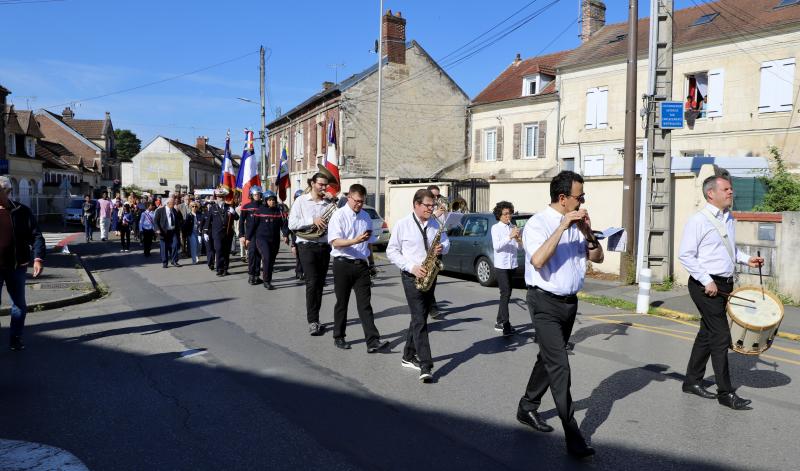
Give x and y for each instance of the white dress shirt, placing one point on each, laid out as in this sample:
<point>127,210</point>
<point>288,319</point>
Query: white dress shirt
<point>347,224</point>
<point>505,248</point>
<point>304,211</point>
<point>564,272</point>
<point>406,247</point>
<point>702,251</point>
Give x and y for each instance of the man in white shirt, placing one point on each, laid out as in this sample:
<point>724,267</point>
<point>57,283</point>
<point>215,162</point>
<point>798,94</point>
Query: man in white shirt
<point>558,241</point>
<point>440,213</point>
<point>314,254</point>
<point>350,233</point>
<point>506,239</point>
<point>407,249</point>
<point>708,252</point>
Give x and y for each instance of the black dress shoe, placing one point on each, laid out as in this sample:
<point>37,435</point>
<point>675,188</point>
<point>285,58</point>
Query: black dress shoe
<point>580,452</point>
<point>269,286</point>
<point>533,420</point>
<point>257,280</point>
<point>176,264</point>
<point>379,345</point>
<point>219,273</point>
<point>698,390</point>
<point>225,273</point>
<point>340,343</point>
<point>250,280</point>
<point>164,265</point>
<point>211,268</point>
<point>733,401</point>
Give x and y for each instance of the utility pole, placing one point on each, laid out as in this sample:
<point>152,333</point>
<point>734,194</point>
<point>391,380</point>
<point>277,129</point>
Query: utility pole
<point>380,95</point>
<point>627,264</point>
<point>263,132</point>
<point>659,207</point>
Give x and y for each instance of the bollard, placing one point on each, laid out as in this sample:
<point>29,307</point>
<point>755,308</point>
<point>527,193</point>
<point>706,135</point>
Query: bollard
<point>643,298</point>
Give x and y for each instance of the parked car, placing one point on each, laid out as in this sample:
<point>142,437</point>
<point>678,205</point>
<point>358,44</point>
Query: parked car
<point>379,228</point>
<point>74,210</point>
<point>471,251</point>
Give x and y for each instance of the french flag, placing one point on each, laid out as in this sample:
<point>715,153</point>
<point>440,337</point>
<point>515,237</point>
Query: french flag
<point>332,159</point>
<point>282,179</point>
<point>227,179</point>
<point>248,168</point>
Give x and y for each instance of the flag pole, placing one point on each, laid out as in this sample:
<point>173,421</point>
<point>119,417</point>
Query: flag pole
<point>380,95</point>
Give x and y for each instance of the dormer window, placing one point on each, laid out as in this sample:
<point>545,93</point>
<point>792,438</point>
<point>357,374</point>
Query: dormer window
<point>11,144</point>
<point>534,84</point>
<point>30,146</point>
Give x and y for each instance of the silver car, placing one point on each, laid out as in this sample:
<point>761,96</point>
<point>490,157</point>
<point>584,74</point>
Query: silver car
<point>74,210</point>
<point>379,228</point>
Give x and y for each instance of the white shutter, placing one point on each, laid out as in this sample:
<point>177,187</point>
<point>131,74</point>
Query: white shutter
<point>602,107</point>
<point>591,108</point>
<point>784,84</point>
<point>765,97</point>
<point>716,79</point>
<point>593,165</point>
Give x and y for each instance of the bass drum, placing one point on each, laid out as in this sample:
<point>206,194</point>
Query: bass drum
<point>753,324</point>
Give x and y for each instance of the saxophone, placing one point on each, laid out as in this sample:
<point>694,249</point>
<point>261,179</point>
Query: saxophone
<point>315,232</point>
<point>431,264</point>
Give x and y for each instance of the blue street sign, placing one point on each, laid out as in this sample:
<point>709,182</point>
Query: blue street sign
<point>3,167</point>
<point>671,115</point>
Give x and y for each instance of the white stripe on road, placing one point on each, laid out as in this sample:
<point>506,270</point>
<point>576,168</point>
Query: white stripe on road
<point>37,457</point>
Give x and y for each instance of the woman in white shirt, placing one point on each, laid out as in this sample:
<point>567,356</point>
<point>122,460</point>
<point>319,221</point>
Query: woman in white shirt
<point>506,240</point>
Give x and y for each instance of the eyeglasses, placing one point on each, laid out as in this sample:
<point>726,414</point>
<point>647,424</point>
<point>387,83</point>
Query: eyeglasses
<point>581,197</point>
<point>355,201</point>
<point>429,206</point>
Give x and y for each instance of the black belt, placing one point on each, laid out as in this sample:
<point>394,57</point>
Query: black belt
<point>722,279</point>
<point>408,274</point>
<point>354,261</point>
<point>301,242</point>
<point>570,298</point>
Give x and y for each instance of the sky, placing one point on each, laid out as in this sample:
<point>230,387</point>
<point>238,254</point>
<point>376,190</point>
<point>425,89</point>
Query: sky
<point>176,67</point>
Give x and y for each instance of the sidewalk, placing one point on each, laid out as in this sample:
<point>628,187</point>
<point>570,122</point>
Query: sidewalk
<point>677,299</point>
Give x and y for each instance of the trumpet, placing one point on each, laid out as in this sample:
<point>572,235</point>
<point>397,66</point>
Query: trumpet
<point>514,228</point>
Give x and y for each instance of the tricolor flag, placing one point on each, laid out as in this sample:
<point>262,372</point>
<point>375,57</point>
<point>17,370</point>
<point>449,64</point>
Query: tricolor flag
<point>332,159</point>
<point>227,179</point>
<point>248,168</point>
<point>282,180</point>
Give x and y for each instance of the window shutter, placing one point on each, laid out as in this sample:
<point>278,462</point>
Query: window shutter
<point>517,141</point>
<point>784,85</point>
<point>476,149</point>
<point>591,108</point>
<point>602,107</point>
<point>767,83</point>
<point>311,136</point>
<point>716,79</point>
<point>499,153</point>
<point>542,150</point>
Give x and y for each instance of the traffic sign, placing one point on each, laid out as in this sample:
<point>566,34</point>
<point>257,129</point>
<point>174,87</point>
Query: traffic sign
<point>671,113</point>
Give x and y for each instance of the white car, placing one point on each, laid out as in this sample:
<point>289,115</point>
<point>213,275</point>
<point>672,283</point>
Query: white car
<point>379,228</point>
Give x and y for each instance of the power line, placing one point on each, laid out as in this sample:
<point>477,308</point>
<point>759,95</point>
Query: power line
<point>156,82</point>
<point>20,2</point>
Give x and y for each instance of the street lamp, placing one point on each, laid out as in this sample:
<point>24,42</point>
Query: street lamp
<point>262,135</point>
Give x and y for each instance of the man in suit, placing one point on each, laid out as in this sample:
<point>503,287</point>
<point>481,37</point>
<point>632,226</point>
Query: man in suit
<point>219,227</point>
<point>168,222</point>
<point>185,209</point>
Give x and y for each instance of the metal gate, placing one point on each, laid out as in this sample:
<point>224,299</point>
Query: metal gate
<point>475,191</point>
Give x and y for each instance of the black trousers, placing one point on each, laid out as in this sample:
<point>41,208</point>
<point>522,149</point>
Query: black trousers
<point>266,253</point>
<point>210,252</point>
<point>147,241</point>
<point>315,259</point>
<point>553,320</point>
<point>713,339</point>
<point>125,237</point>
<point>253,258</point>
<point>353,275</point>
<point>419,304</point>
<point>222,252</point>
<point>504,278</point>
<point>185,234</point>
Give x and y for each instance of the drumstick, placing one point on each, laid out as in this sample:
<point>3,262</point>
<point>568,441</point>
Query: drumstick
<point>760,279</point>
<point>729,295</point>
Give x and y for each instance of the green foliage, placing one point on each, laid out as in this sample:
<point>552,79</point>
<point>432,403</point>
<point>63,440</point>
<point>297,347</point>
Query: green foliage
<point>126,144</point>
<point>783,188</point>
<point>132,189</point>
<point>665,285</point>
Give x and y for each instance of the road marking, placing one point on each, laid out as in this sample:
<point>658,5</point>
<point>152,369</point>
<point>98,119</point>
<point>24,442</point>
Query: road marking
<point>194,352</point>
<point>37,457</point>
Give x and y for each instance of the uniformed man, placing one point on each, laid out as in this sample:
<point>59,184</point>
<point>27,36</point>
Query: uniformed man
<point>264,233</point>
<point>245,221</point>
<point>219,228</point>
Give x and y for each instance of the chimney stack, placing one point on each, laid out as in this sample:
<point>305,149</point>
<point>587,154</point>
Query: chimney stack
<point>593,17</point>
<point>67,114</point>
<point>517,59</point>
<point>201,144</point>
<point>394,37</point>
<point>327,85</point>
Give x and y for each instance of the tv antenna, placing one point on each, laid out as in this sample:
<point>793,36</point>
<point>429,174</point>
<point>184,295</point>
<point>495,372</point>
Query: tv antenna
<point>336,68</point>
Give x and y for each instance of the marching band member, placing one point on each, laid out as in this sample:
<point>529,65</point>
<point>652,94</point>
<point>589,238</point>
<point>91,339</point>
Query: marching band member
<point>439,212</point>
<point>264,233</point>
<point>408,248</point>
<point>314,253</point>
<point>506,238</point>
<point>245,221</point>
<point>350,233</point>
<point>558,241</point>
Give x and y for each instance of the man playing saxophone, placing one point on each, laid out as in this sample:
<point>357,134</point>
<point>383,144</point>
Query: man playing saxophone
<point>409,248</point>
<point>307,217</point>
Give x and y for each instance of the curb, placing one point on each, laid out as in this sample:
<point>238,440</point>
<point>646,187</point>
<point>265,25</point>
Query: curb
<point>68,301</point>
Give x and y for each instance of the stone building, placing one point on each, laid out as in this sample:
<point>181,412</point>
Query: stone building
<point>21,134</point>
<point>423,120</point>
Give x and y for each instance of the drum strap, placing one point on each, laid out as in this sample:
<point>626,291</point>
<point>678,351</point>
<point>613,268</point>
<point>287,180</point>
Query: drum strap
<point>723,233</point>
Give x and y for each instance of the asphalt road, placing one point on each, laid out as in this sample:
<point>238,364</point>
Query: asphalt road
<point>179,369</point>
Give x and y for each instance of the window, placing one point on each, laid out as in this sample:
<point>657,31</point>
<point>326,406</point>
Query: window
<point>298,145</point>
<point>30,146</point>
<point>530,140</point>
<point>490,144</point>
<point>705,19</point>
<point>476,227</point>
<point>777,79</point>
<point>597,108</point>
<point>11,144</point>
<point>593,165</point>
<point>529,85</point>
<point>786,3</point>
<point>568,164</point>
<point>704,93</point>
<point>162,181</point>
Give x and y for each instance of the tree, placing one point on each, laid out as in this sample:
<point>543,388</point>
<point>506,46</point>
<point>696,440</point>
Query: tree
<point>127,144</point>
<point>783,188</point>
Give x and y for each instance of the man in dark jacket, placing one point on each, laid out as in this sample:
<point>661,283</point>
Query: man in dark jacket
<point>245,221</point>
<point>20,241</point>
<point>168,223</point>
<point>265,231</point>
<point>219,227</point>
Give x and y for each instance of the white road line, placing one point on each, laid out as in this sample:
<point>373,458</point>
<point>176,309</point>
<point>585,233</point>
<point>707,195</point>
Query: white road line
<point>37,457</point>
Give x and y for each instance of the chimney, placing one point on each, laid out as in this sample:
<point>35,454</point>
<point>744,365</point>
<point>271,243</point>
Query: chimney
<point>327,85</point>
<point>201,144</point>
<point>517,59</point>
<point>394,37</point>
<point>67,114</point>
<point>593,17</point>
<point>108,116</point>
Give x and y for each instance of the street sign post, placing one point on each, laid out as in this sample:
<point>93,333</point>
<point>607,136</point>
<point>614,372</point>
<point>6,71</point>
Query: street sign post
<point>671,113</point>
